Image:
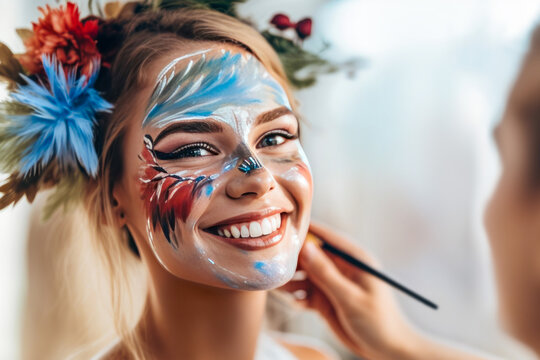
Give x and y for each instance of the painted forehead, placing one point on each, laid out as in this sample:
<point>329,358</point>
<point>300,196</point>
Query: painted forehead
<point>211,84</point>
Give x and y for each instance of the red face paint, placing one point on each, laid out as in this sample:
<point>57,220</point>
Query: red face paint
<point>167,196</point>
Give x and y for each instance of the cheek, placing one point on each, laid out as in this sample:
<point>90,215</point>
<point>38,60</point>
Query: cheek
<point>493,209</point>
<point>511,231</point>
<point>292,171</point>
<point>509,215</point>
<point>297,180</point>
<point>505,228</point>
<point>168,197</point>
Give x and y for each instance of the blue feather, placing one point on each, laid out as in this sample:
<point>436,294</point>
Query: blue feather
<point>62,121</point>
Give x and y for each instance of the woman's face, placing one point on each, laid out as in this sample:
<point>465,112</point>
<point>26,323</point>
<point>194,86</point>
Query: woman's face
<point>216,184</point>
<point>513,215</point>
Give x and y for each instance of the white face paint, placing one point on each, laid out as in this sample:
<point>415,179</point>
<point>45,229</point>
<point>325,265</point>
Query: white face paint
<point>225,181</point>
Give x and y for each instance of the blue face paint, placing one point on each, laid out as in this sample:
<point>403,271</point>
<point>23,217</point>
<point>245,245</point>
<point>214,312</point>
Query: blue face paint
<point>250,164</point>
<point>209,189</point>
<point>261,267</point>
<point>208,85</point>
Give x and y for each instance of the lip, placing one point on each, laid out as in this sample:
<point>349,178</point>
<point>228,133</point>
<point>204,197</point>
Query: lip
<point>259,243</point>
<point>251,216</point>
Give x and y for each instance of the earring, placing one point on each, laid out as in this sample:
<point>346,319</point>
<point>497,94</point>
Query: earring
<point>131,242</point>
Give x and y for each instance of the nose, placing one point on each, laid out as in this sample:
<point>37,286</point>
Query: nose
<point>256,182</point>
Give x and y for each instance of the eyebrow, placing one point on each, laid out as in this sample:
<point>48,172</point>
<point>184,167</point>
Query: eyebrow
<point>272,114</point>
<point>190,127</point>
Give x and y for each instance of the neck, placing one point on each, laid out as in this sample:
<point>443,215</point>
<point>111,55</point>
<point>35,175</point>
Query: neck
<point>186,320</point>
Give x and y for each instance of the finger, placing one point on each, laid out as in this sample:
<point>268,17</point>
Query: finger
<point>341,242</point>
<point>293,286</point>
<point>363,279</point>
<point>319,302</point>
<point>322,271</point>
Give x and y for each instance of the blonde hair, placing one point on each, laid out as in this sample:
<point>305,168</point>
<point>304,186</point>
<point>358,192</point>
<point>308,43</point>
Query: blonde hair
<point>147,37</point>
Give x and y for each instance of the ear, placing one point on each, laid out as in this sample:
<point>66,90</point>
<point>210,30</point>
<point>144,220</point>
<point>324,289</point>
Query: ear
<point>118,209</point>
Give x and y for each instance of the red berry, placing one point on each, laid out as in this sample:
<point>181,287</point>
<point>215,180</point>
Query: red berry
<point>281,21</point>
<point>303,28</point>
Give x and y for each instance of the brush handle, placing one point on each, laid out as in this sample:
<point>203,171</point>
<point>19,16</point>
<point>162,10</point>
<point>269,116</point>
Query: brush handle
<point>363,266</point>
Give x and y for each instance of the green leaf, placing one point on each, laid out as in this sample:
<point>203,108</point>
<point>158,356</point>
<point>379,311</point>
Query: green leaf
<point>225,6</point>
<point>69,191</point>
<point>11,148</point>
<point>10,68</point>
<point>24,34</point>
<point>15,187</point>
<point>301,66</point>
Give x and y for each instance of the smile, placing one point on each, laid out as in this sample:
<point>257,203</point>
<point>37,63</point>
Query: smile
<point>254,234</point>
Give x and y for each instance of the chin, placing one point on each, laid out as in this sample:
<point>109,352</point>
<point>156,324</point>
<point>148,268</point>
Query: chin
<point>521,319</point>
<point>256,282</point>
<point>259,268</point>
<point>212,258</point>
<point>249,275</point>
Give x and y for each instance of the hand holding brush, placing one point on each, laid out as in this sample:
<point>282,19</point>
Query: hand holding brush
<point>357,305</point>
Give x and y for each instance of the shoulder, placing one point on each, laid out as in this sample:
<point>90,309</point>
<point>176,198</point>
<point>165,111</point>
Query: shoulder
<point>305,347</point>
<point>305,352</point>
<point>115,351</point>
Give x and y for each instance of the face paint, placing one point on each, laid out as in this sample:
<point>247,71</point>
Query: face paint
<point>168,196</point>
<point>198,229</point>
<point>213,87</point>
<point>250,164</point>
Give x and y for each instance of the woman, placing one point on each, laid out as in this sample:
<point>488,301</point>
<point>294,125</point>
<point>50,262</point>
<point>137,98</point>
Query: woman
<point>199,167</point>
<point>221,200</point>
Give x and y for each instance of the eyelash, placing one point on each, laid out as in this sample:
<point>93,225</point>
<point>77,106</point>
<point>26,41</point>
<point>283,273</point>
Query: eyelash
<point>287,135</point>
<point>186,151</point>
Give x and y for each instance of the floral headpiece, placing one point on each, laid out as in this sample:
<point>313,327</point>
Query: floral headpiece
<point>47,123</point>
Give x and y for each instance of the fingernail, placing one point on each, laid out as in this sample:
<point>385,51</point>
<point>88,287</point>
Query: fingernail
<point>299,275</point>
<point>300,294</point>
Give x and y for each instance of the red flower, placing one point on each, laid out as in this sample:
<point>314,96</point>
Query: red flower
<point>60,32</point>
<point>303,28</point>
<point>281,21</point>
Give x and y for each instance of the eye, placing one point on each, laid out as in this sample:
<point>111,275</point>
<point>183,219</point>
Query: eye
<point>199,149</point>
<point>275,138</point>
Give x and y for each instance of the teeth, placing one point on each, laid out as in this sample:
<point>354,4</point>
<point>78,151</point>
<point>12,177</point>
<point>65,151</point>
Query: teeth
<point>273,223</point>
<point>252,229</point>
<point>266,227</point>
<point>255,229</point>
<point>244,231</point>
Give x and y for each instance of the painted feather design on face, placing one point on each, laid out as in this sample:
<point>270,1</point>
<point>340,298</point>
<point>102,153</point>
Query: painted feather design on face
<point>210,84</point>
<point>168,196</point>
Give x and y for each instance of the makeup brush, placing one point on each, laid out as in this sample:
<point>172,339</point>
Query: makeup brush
<point>363,266</point>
